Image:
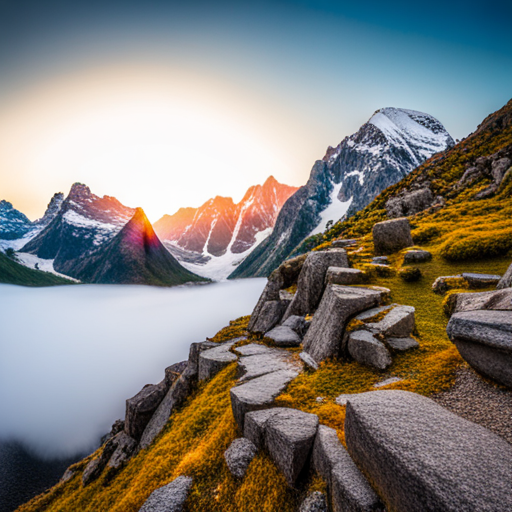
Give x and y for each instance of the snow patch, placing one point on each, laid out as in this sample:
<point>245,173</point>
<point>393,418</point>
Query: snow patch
<point>75,219</point>
<point>334,211</point>
<point>357,173</point>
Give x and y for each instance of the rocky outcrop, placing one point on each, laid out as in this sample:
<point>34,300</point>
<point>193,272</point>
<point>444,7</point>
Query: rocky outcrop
<point>421,457</point>
<point>311,281</point>
<point>484,340</point>
<point>391,236</point>
<point>409,203</point>
<point>338,305</point>
<point>239,455</point>
<point>506,280</point>
<point>170,497</point>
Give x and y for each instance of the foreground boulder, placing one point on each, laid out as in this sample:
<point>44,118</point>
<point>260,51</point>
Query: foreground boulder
<point>391,236</point>
<point>338,305</point>
<point>170,497</point>
<point>420,457</point>
<point>239,455</point>
<point>506,280</point>
<point>484,340</point>
<point>288,436</point>
<point>310,284</point>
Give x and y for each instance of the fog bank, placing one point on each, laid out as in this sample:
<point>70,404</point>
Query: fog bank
<point>71,355</point>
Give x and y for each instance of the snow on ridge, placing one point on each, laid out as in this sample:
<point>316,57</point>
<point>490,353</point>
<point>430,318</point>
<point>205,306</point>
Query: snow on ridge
<point>75,219</point>
<point>334,211</point>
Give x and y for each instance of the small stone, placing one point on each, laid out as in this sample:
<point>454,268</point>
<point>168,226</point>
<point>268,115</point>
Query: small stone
<point>417,256</point>
<point>380,260</point>
<point>284,336</point>
<point>315,502</point>
<point>399,322</point>
<point>348,242</point>
<point>493,300</point>
<point>170,497</point>
<point>368,350</point>
<point>443,283</point>
<point>481,280</point>
<point>68,475</point>
<point>370,313</point>
<point>391,236</point>
<point>270,315</point>
<point>297,323</point>
<point>402,344</point>
<point>344,276</point>
<point>92,471</point>
<point>125,449</point>
<point>239,455</point>
<point>343,399</point>
<point>308,360</point>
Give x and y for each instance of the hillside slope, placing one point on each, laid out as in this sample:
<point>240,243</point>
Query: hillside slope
<point>384,150</point>
<point>134,256</point>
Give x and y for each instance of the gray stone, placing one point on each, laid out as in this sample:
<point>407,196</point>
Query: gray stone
<point>213,360</point>
<point>68,475</point>
<point>141,407</point>
<point>284,336</point>
<point>391,236</point>
<point>289,436</point>
<point>259,360</point>
<point>297,323</point>
<point>283,277</point>
<point>344,276</point>
<point>368,350</point>
<point>399,322</point>
<point>481,280</point>
<point>387,382</point>
<point>484,340</point>
<point>344,398</point>
<point>370,313</point>
<point>259,393</point>
<point>506,280</point>
<point>308,360</point>
<point>239,455</point>
<point>310,284</point>
<point>441,286</point>
<point>499,168</point>
<point>417,256</point>
<point>254,427</point>
<point>173,372</point>
<point>286,295</point>
<point>402,344</point>
<point>125,449</point>
<point>270,315</point>
<point>338,305</point>
<point>347,242</point>
<point>92,471</point>
<point>409,203</point>
<point>380,260</point>
<point>473,301</point>
<point>327,452</point>
<point>170,497</point>
<point>420,457</point>
<point>314,502</point>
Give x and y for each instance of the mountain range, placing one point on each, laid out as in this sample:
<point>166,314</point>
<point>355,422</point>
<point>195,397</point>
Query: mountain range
<point>383,151</point>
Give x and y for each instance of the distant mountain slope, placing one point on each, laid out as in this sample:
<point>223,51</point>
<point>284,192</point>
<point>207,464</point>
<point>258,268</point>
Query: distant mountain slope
<point>12,272</point>
<point>83,222</point>
<point>134,256</point>
<point>212,238</point>
<point>472,184</point>
<point>384,150</point>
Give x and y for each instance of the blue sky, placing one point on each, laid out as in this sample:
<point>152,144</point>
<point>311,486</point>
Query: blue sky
<point>302,74</point>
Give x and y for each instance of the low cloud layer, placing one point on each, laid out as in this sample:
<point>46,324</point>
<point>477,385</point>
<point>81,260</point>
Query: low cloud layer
<point>70,356</point>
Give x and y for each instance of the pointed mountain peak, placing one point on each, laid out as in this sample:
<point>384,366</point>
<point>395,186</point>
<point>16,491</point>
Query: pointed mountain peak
<point>79,191</point>
<point>139,230</point>
<point>270,182</point>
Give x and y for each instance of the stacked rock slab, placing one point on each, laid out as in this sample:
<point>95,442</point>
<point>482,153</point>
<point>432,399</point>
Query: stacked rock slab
<point>265,316</point>
<point>265,374</point>
<point>422,458</point>
<point>287,435</point>
<point>391,236</point>
<point>484,339</point>
<point>349,490</point>
<point>170,497</point>
<point>311,281</point>
<point>338,305</point>
<point>506,280</point>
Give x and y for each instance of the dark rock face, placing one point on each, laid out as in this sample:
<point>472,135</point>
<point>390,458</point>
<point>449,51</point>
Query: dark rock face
<point>13,223</point>
<point>140,408</point>
<point>170,497</point>
<point>239,455</point>
<point>391,236</point>
<point>338,305</point>
<point>506,280</point>
<point>484,340</point>
<point>421,457</point>
<point>135,255</point>
<point>311,281</point>
<point>384,150</point>
<point>269,316</point>
<point>125,448</point>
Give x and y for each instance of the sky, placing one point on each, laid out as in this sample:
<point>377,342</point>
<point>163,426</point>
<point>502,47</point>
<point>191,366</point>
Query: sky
<point>165,104</point>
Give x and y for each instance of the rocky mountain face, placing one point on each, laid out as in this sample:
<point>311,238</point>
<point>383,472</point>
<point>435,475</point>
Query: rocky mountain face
<point>77,225</point>
<point>214,237</point>
<point>382,152</point>
<point>134,255</point>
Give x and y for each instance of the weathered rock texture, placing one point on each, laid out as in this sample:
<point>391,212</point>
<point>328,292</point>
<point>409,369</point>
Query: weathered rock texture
<point>423,458</point>
<point>368,350</point>
<point>239,455</point>
<point>493,300</point>
<point>315,502</point>
<point>284,336</point>
<point>344,276</point>
<point>484,340</point>
<point>170,497</point>
<point>409,203</point>
<point>506,280</point>
<point>391,236</point>
<point>417,256</point>
<point>481,280</point>
<point>338,305</point>
<point>310,284</point>
<point>213,360</point>
<point>399,322</point>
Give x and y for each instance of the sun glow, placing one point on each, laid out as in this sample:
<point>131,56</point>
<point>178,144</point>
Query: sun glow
<point>153,138</point>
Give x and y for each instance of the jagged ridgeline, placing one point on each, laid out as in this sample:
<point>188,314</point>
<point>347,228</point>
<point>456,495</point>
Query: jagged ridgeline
<point>384,150</point>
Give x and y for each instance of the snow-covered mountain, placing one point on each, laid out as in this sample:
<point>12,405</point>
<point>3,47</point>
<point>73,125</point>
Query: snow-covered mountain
<point>212,239</point>
<point>78,225</point>
<point>384,150</point>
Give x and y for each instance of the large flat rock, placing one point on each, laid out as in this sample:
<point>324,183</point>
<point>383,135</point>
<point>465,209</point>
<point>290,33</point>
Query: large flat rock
<point>420,457</point>
<point>259,393</point>
<point>213,360</point>
<point>170,497</point>
<point>311,282</point>
<point>338,305</point>
<point>484,340</point>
